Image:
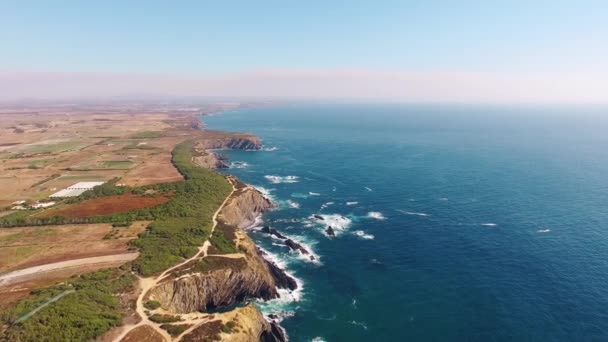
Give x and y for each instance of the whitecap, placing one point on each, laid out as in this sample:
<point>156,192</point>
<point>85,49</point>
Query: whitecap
<point>314,194</point>
<point>413,213</point>
<point>325,205</point>
<point>238,165</point>
<point>543,230</point>
<point>363,235</point>
<point>376,215</point>
<point>336,221</point>
<point>443,199</point>
<point>489,224</point>
<point>298,195</point>
<point>286,297</point>
<point>352,203</point>
<point>361,324</point>
<point>282,179</point>
<point>269,149</point>
<point>293,204</point>
<point>265,192</point>
<point>368,188</point>
<point>318,339</point>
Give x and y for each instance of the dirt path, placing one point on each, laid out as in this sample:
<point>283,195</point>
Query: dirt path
<point>148,283</point>
<point>37,271</point>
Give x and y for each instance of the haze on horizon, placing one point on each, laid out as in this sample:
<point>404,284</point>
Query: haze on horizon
<point>431,51</point>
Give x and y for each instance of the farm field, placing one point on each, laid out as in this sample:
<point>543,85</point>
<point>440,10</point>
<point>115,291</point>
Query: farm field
<point>106,205</point>
<point>32,246</point>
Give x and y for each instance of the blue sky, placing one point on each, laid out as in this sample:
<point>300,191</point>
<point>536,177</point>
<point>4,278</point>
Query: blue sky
<point>189,38</point>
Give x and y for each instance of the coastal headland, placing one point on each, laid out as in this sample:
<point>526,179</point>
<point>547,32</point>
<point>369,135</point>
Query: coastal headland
<point>189,272</point>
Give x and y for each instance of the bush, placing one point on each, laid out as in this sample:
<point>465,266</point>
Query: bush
<point>175,330</point>
<point>152,305</point>
<point>228,327</point>
<point>157,318</point>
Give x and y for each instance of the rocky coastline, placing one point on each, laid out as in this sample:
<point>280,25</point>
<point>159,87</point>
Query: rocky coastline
<point>223,284</point>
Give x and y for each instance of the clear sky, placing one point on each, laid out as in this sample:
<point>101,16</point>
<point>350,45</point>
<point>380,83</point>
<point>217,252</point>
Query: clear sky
<point>202,41</point>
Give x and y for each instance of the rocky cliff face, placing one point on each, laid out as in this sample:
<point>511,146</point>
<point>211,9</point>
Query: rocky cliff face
<point>239,141</point>
<point>226,280</point>
<point>248,324</point>
<point>210,160</point>
<point>243,208</point>
<point>216,289</point>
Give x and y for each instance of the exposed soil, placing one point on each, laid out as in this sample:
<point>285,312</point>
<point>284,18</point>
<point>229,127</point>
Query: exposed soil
<point>106,205</point>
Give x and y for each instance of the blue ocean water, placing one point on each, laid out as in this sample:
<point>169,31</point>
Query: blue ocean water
<point>459,222</point>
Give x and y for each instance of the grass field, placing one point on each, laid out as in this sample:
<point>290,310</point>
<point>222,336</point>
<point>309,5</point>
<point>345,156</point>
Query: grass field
<point>118,164</point>
<point>54,147</point>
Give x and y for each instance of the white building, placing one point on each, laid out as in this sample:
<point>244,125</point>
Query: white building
<point>76,189</point>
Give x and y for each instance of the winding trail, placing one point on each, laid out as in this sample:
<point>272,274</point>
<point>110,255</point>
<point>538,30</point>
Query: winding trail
<point>148,283</point>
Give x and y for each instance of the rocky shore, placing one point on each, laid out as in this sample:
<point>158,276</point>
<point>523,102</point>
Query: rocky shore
<point>222,284</point>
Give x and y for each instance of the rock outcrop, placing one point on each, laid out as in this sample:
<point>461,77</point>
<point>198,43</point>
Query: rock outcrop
<point>243,208</point>
<point>247,324</point>
<point>239,141</point>
<point>225,286</point>
<point>210,160</point>
<point>206,288</point>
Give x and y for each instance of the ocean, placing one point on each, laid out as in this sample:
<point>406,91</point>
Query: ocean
<point>453,222</point>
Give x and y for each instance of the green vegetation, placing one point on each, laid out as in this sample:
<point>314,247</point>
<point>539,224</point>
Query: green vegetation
<point>175,330</point>
<point>83,315</point>
<point>221,243</point>
<point>179,227</point>
<point>54,148</point>
<point>228,327</point>
<point>152,304</point>
<point>183,223</point>
<point>158,318</point>
<point>147,135</point>
<point>118,164</point>
<point>19,218</point>
<point>213,263</point>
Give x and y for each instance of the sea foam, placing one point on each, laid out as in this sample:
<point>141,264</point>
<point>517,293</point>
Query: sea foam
<point>282,179</point>
<point>364,235</point>
<point>413,213</point>
<point>376,215</point>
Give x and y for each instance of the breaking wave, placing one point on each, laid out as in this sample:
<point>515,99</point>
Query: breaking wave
<point>364,235</point>
<point>413,213</point>
<point>376,215</point>
<point>543,230</point>
<point>489,224</point>
<point>352,203</point>
<point>238,165</point>
<point>282,179</point>
<point>325,205</point>
<point>293,204</point>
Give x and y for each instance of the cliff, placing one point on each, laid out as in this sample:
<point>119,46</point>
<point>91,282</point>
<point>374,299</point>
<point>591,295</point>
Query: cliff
<point>221,140</point>
<point>210,160</point>
<point>244,207</point>
<point>244,324</point>
<point>220,281</point>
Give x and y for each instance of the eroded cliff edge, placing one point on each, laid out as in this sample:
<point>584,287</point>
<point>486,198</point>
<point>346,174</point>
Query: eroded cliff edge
<point>228,278</point>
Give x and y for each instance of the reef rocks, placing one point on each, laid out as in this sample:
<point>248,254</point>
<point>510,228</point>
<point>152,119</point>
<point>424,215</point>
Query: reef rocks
<point>274,232</point>
<point>330,231</point>
<point>294,246</point>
